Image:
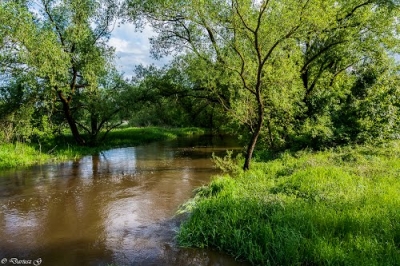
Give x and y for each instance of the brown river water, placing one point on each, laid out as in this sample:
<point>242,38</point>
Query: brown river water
<point>114,208</point>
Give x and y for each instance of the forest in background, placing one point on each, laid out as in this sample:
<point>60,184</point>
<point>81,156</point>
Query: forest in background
<point>278,74</point>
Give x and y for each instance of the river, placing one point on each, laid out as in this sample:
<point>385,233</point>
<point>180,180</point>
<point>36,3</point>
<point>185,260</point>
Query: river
<point>114,208</point>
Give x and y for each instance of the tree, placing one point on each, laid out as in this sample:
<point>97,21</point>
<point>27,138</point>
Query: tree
<point>267,57</point>
<point>238,36</point>
<point>105,107</point>
<point>166,96</point>
<point>73,54</point>
<point>20,89</point>
<point>362,35</point>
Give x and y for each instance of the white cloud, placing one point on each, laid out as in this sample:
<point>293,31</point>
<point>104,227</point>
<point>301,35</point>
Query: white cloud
<point>120,45</point>
<point>133,48</point>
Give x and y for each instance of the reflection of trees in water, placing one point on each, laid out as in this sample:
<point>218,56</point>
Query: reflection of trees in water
<point>74,224</point>
<point>93,208</point>
<point>66,220</point>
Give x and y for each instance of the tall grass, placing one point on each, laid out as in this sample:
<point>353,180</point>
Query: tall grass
<point>20,154</point>
<point>64,148</point>
<point>337,207</point>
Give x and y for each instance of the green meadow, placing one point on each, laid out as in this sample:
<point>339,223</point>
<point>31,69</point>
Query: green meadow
<point>335,207</point>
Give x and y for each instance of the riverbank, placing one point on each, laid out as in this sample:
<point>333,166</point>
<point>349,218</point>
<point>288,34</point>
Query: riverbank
<point>63,148</point>
<point>337,207</point>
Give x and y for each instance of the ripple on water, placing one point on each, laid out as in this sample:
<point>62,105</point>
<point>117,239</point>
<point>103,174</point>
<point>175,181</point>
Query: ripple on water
<point>114,207</point>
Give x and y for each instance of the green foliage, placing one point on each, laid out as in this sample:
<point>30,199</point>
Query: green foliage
<point>165,97</point>
<point>227,164</point>
<point>337,207</point>
<point>25,110</point>
<point>70,64</point>
<point>282,74</point>
<point>364,108</point>
<point>104,108</point>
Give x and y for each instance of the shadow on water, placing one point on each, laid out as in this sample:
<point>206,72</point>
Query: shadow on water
<point>116,207</point>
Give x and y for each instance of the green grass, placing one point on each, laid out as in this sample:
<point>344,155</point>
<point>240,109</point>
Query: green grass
<point>63,148</point>
<point>337,207</point>
<point>20,155</point>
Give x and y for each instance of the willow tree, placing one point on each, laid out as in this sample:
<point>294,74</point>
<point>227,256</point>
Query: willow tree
<point>362,35</point>
<point>20,86</point>
<point>63,44</point>
<point>262,53</point>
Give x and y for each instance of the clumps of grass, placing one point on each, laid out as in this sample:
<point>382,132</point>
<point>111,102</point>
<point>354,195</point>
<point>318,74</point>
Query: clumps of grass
<point>20,155</point>
<point>337,207</point>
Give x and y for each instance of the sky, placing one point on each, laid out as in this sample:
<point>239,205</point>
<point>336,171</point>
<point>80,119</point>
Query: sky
<point>133,48</point>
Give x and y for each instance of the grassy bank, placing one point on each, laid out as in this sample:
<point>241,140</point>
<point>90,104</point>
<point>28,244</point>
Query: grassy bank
<point>20,154</point>
<point>338,207</point>
<point>63,148</point>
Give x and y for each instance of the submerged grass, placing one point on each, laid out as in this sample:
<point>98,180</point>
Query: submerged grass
<point>337,207</point>
<point>63,148</point>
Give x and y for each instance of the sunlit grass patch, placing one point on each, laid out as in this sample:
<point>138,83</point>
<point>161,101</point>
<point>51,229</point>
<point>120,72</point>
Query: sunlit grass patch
<point>20,155</point>
<point>337,207</point>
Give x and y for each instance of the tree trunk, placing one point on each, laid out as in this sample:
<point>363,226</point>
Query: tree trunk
<point>71,121</point>
<point>251,147</point>
<point>94,129</point>
<point>254,137</point>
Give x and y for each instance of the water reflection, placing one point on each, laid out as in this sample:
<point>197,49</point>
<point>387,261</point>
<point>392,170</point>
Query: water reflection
<point>114,207</point>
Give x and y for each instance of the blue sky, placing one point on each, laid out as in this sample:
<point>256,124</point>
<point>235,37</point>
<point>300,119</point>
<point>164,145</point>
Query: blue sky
<point>133,48</point>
